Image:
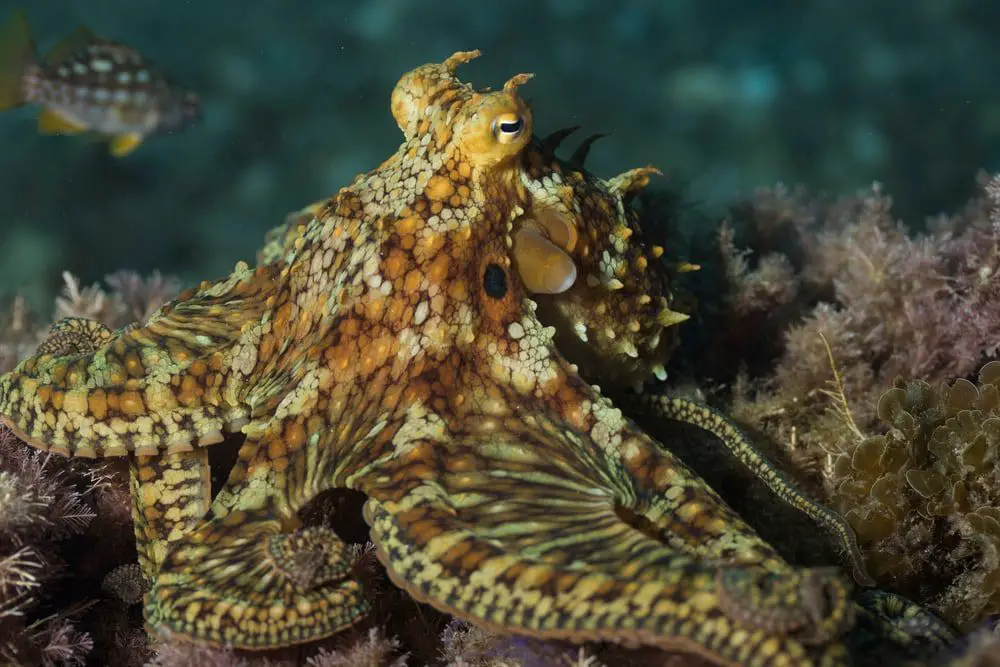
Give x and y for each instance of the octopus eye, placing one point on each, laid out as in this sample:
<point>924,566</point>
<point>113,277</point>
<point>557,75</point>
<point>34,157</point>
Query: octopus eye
<point>507,127</point>
<point>495,281</point>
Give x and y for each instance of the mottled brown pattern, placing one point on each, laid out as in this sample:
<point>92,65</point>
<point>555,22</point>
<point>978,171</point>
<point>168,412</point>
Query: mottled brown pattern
<point>386,343</point>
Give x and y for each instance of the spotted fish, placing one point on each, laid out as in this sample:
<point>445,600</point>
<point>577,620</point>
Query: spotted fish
<point>88,84</point>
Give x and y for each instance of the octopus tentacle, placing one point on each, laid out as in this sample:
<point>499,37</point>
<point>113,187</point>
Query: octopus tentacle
<point>777,603</point>
<point>241,581</point>
<point>552,564</point>
<point>743,449</point>
<point>904,620</point>
<point>74,335</point>
<point>170,494</point>
<point>456,496</point>
<point>166,386</point>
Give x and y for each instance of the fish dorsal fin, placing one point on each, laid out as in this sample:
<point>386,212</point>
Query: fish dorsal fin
<point>53,122</point>
<point>69,45</point>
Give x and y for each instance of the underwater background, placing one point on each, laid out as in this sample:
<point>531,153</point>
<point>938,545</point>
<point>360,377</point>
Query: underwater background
<point>723,96</point>
<point>856,350</point>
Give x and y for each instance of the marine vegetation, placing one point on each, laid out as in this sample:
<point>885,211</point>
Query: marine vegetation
<point>874,375</point>
<point>391,341</point>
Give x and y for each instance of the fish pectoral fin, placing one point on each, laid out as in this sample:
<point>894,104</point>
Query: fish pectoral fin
<point>123,144</point>
<point>53,122</point>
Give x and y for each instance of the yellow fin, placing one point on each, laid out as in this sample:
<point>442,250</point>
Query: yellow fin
<point>69,44</point>
<point>53,122</point>
<point>123,144</point>
<point>17,52</point>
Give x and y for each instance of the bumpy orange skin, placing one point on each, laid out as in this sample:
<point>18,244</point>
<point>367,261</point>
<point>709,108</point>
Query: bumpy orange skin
<point>616,321</point>
<point>388,345</point>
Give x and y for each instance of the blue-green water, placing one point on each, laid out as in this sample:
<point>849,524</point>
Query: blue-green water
<point>723,96</point>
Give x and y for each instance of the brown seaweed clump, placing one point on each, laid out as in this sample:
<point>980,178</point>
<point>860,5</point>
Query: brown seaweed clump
<point>65,523</point>
<point>815,307</point>
<point>924,498</point>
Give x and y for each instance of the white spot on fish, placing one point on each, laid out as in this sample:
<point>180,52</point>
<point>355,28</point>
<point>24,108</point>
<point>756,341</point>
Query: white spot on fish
<point>63,71</point>
<point>121,96</point>
<point>101,65</point>
<point>82,92</point>
<point>102,95</point>
<point>79,68</point>
<point>142,76</point>
<point>124,78</point>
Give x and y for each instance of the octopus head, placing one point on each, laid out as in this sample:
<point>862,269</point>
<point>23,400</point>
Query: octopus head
<point>541,226</point>
<point>485,128</point>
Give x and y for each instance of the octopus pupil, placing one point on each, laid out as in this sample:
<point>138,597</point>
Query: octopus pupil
<point>511,127</point>
<point>495,281</point>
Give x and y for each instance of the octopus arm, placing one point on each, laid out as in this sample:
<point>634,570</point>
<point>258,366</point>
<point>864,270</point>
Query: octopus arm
<point>91,392</point>
<point>518,533</point>
<point>249,575</point>
<point>245,581</point>
<point>280,240</point>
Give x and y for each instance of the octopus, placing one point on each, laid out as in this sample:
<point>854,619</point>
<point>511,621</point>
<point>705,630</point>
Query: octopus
<point>409,338</point>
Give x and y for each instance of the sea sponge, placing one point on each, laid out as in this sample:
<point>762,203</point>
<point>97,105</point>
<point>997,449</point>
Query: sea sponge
<point>924,498</point>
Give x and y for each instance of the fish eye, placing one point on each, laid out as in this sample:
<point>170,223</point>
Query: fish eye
<point>508,127</point>
<point>495,281</point>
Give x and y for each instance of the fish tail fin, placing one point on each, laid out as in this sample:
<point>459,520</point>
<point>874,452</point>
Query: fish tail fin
<point>17,53</point>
